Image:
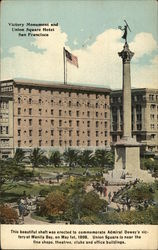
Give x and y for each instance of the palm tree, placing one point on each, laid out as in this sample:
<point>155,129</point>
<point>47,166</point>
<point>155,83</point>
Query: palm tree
<point>71,157</point>
<point>19,156</point>
<point>103,158</point>
<point>55,158</point>
<point>36,157</point>
<point>86,158</point>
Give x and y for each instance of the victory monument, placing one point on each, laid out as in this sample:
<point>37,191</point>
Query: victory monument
<point>127,149</point>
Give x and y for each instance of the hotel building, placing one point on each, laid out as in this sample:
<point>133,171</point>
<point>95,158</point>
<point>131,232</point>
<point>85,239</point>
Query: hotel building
<point>50,115</point>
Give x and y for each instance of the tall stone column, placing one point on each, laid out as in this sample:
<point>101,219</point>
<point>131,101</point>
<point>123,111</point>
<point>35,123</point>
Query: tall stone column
<point>126,56</point>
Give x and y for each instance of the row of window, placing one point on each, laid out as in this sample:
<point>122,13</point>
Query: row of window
<point>78,133</point>
<point>78,113</point>
<point>68,94</point>
<point>61,123</point>
<point>62,143</point>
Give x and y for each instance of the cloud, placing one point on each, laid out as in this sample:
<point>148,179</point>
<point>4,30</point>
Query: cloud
<point>143,43</point>
<point>99,62</point>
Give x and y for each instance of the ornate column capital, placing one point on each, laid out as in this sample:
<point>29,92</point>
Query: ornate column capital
<point>126,54</point>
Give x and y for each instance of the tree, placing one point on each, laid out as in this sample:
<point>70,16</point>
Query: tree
<point>55,158</point>
<point>54,204</point>
<point>86,158</point>
<point>103,158</point>
<point>19,156</point>
<point>36,157</point>
<point>9,172</point>
<point>71,157</point>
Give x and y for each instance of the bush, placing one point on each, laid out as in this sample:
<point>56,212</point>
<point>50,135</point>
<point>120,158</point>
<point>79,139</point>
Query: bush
<point>8,215</point>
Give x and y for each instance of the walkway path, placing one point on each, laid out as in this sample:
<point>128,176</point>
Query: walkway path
<point>30,221</point>
<point>111,189</point>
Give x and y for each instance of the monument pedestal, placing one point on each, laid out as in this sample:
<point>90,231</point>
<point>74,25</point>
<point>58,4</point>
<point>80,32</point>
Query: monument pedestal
<point>127,161</point>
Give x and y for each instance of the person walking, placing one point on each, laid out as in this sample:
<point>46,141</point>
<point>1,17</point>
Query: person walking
<point>109,196</point>
<point>21,209</point>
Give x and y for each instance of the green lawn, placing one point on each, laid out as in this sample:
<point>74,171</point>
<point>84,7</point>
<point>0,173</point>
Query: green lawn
<point>15,190</point>
<point>46,171</point>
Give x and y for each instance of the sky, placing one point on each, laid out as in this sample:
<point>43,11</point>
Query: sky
<point>87,29</point>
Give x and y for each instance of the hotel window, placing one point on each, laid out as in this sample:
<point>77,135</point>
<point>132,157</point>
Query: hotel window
<point>40,122</point>
<point>19,111</point>
<point>88,113</point>
<point>105,124</point>
<point>139,126</point>
<point>40,101</point>
<point>40,132</point>
<point>60,142</point>
<point>88,124</point>
<point>30,90</point>
<point>78,132</point>
<point>60,123</point>
<point>69,103</point>
<point>96,114</point>
<point>19,144</point>
<point>77,113</point>
<point>51,102</point>
<point>19,100</point>
<point>59,102</point>
<point>6,129</point>
<point>152,126</point>
<point>70,132</point>
<point>70,143</point>
<point>51,111</point>
<point>105,143</point>
<point>97,143</point>
<point>60,112</point>
<point>105,105</point>
<point>88,133</point>
<point>78,143</point>
<point>30,111</point>
<point>1,130</point>
<point>19,132</point>
<point>52,142</point>
<point>19,122</point>
<point>60,132</point>
<point>30,101</point>
<point>77,123</point>
<point>70,112</point>
<point>30,142</point>
<point>40,111</point>
<point>77,104</point>
<point>105,114</point>
<point>97,133</point>
<point>88,104</point>
<point>105,133</point>
<point>52,132</point>
<point>96,105</point>
<point>30,122</point>
<point>88,143</point>
<point>40,143</point>
<point>70,123</point>
<point>97,124</point>
<point>52,122</point>
<point>30,132</point>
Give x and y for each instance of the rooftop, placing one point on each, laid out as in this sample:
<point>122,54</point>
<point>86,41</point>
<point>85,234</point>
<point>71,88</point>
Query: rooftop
<point>56,85</point>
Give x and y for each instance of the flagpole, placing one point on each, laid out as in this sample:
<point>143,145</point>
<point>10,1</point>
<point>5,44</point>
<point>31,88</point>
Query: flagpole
<point>64,64</point>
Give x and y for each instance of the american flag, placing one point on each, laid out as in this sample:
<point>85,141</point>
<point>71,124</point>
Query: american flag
<point>71,58</point>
